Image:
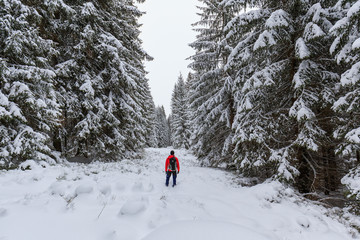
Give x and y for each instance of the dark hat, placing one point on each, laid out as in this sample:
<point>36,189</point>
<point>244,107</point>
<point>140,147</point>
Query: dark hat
<point>172,152</point>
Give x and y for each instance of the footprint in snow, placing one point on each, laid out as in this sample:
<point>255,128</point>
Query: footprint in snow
<point>105,189</point>
<point>139,187</point>
<point>120,186</point>
<point>3,212</point>
<point>303,221</point>
<point>58,188</point>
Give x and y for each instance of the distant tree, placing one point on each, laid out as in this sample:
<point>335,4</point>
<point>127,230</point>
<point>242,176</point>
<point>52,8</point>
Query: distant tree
<point>180,129</point>
<point>162,128</point>
<point>151,119</point>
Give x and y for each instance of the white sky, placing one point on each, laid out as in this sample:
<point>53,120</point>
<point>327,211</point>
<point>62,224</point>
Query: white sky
<point>166,33</point>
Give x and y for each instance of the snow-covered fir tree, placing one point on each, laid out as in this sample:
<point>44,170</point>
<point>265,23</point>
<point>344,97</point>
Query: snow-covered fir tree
<point>211,98</point>
<point>162,128</point>
<point>91,54</point>
<point>283,72</point>
<point>259,63</point>
<point>28,107</point>
<point>314,82</point>
<point>106,95</point>
<point>346,49</point>
<point>180,129</point>
<point>151,117</point>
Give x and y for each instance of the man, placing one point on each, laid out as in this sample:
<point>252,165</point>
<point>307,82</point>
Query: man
<point>172,167</point>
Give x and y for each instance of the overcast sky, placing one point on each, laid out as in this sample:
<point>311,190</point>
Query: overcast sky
<point>166,33</point>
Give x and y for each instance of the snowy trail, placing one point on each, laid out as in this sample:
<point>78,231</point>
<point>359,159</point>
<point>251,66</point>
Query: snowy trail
<point>129,200</point>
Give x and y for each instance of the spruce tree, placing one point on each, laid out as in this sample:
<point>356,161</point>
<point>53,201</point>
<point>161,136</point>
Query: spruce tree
<point>346,49</point>
<point>314,83</point>
<point>211,97</point>
<point>162,128</point>
<point>281,72</point>
<point>262,120</point>
<point>180,129</point>
<point>150,123</point>
<point>29,109</point>
<point>106,99</point>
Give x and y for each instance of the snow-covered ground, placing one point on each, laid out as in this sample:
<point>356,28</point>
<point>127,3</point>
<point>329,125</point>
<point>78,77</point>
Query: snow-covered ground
<point>129,200</point>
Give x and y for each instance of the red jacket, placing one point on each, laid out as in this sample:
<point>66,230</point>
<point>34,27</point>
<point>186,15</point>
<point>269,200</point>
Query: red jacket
<point>167,163</point>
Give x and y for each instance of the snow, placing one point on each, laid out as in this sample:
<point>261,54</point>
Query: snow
<point>354,11</point>
<point>204,229</point>
<point>352,181</point>
<point>304,112</point>
<point>316,10</point>
<point>133,207</point>
<point>40,103</point>
<point>353,135</point>
<point>84,189</point>
<point>19,88</point>
<point>245,18</point>
<point>356,44</point>
<point>3,212</point>
<point>265,39</point>
<point>340,102</point>
<point>302,50</point>
<point>335,44</point>
<point>342,23</point>
<point>279,18</point>
<point>351,76</point>
<point>313,31</point>
<point>129,200</point>
<point>87,87</point>
<point>88,9</point>
<point>3,100</point>
<point>29,164</point>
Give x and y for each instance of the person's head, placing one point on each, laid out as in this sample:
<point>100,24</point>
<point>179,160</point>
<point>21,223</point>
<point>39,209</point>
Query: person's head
<point>172,152</point>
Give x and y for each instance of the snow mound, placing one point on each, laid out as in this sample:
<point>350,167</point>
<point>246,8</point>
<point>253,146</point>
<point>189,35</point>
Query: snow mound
<point>84,189</point>
<point>133,207</point>
<point>58,188</point>
<point>205,229</point>
<point>33,165</point>
<point>303,221</point>
<point>29,165</point>
<point>105,189</point>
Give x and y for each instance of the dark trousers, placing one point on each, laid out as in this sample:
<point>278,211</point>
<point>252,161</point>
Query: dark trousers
<point>168,175</point>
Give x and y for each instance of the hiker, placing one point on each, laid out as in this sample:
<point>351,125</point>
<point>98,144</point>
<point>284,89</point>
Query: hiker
<point>172,167</point>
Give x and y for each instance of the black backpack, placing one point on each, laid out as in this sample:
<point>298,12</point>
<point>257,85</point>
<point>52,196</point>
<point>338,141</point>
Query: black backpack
<point>173,164</point>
